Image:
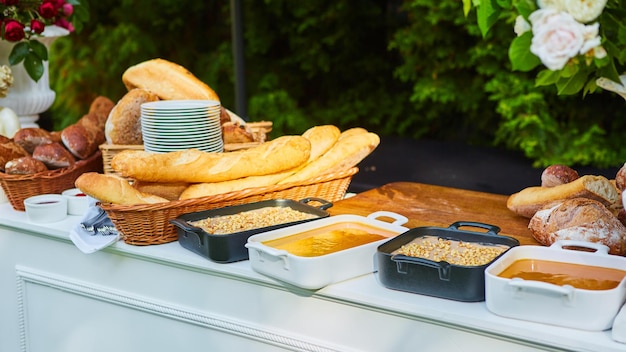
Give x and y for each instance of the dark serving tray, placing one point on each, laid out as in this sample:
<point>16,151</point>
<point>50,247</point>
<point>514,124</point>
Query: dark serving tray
<point>439,279</point>
<point>227,248</point>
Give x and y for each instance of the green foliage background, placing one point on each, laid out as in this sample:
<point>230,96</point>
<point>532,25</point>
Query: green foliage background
<point>412,68</point>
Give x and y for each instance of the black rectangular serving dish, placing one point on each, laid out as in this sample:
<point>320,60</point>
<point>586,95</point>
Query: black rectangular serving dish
<point>227,248</point>
<point>438,279</point>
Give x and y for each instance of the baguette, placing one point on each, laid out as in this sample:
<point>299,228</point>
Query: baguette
<point>207,189</point>
<point>344,154</point>
<point>195,166</point>
<point>111,188</point>
<point>322,138</point>
<point>529,200</point>
<point>169,191</point>
<point>168,80</point>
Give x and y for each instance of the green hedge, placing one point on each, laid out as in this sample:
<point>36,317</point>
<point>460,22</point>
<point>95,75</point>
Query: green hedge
<point>417,69</point>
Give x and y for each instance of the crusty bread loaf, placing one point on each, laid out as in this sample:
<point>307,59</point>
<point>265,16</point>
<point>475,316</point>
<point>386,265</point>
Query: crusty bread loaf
<point>529,200</point>
<point>206,189</point>
<point>352,131</point>
<point>54,156</point>
<point>30,137</point>
<point>344,154</point>
<point>123,126</point>
<point>168,80</point>
<point>579,219</point>
<point>167,190</point>
<point>111,188</point>
<point>194,166</point>
<point>82,141</point>
<point>322,138</point>
<point>9,151</point>
<point>101,106</point>
<point>26,165</point>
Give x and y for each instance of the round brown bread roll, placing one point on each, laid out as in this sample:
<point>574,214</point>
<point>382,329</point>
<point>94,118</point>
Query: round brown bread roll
<point>54,156</point>
<point>555,175</point>
<point>9,151</point>
<point>26,165</point>
<point>579,219</point>
<point>30,137</point>
<point>123,126</point>
<point>82,141</point>
<point>101,107</point>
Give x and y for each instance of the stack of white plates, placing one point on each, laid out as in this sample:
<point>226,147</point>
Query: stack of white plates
<point>171,125</point>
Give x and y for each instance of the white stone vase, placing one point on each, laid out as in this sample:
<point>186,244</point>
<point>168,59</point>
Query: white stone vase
<point>26,97</point>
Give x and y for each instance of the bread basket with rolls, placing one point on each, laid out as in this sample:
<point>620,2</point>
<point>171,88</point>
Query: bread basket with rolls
<point>150,189</point>
<point>36,161</point>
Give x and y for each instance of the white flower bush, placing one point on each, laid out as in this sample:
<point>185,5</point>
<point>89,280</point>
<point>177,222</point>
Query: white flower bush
<point>577,41</point>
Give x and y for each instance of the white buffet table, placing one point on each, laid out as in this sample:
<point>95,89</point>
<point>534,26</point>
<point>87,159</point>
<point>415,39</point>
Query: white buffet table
<point>165,298</point>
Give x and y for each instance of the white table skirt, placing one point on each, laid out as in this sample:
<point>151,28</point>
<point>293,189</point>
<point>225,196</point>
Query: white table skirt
<point>165,298</point>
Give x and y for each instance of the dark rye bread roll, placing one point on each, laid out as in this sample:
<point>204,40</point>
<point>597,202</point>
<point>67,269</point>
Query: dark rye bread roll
<point>9,151</point>
<point>579,219</point>
<point>81,140</point>
<point>123,125</point>
<point>54,156</point>
<point>26,165</point>
<point>30,137</point>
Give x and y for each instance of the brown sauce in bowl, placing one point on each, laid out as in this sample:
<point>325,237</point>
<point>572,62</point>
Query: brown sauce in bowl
<point>579,276</point>
<point>327,240</point>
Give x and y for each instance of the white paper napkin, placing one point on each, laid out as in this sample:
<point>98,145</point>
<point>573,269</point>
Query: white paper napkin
<point>95,231</point>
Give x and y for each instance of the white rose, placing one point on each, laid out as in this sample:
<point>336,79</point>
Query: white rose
<point>591,37</point>
<point>521,26</point>
<point>557,37</point>
<point>585,10</point>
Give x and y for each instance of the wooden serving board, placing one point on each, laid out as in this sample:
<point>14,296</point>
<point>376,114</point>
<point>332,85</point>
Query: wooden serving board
<point>429,205</point>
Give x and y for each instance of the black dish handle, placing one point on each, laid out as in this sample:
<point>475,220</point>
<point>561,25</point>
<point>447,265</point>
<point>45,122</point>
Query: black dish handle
<point>492,230</point>
<point>183,225</point>
<point>325,204</point>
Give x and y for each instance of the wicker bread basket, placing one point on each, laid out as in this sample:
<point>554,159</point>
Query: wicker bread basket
<point>19,187</point>
<point>148,224</point>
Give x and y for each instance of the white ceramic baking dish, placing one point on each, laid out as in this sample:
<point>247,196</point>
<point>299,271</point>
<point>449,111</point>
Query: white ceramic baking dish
<point>548,303</point>
<point>315,272</point>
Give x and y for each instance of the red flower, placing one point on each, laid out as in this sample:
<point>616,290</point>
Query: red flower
<point>48,10</point>
<point>13,31</point>
<point>67,10</point>
<point>62,22</point>
<point>9,2</point>
<point>37,26</point>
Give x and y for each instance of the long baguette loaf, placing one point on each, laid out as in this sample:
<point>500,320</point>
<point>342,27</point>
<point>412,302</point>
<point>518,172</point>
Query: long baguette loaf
<point>322,138</point>
<point>529,200</point>
<point>344,154</point>
<point>206,189</point>
<point>195,166</point>
<point>110,188</point>
<point>168,80</point>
